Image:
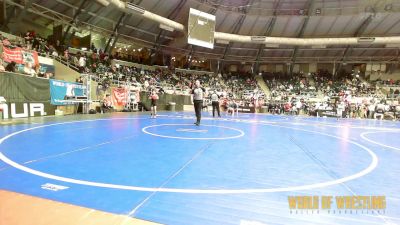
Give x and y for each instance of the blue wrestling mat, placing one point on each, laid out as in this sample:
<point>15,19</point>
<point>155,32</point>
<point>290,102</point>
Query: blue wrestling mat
<point>231,170</point>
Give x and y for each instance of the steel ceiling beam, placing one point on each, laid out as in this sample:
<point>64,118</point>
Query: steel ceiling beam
<point>22,14</point>
<point>115,34</point>
<point>235,30</point>
<point>107,48</point>
<point>102,10</point>
<point>267,33</point>
<point>7,17</point>
<point>328,9</point>
<point>310,9</point>
<point>274,60</point>
<point>133,28</point>
<point>74,19</point>
<point>118,34</point>
<point>359,31</point>
<point>172,15</point>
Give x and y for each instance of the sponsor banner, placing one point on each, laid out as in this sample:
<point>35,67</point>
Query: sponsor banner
<point>20,56</point>
<point>327,113</point>
<point>247,109</point>
<point>60,91</point>
<point>24,110</point>
<point>46,68</point>
<point>119,96</point>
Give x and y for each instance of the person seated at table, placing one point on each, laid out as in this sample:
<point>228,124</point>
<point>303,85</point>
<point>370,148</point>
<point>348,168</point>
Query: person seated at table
<point>232,108</point>
<point>379,111</point>
<point>11,67</point>
<point>107,103</point>
<point>397,112</point>
<point>28,70</point>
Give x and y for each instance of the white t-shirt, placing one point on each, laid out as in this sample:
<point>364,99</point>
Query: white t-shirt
<point>380,108</point>
<point>198,93</point>
<point>341,106</point>
<point>214,97</point>
<point>82,62</point>
<point>29,71</point>
<point>298,104</point>
<point>371,108</point>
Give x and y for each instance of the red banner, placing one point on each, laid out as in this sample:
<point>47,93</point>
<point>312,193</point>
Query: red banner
<point>119,96</point>
<point>20,56</point>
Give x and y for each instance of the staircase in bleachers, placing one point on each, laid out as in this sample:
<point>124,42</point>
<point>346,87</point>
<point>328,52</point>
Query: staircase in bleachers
<point>263,86</point>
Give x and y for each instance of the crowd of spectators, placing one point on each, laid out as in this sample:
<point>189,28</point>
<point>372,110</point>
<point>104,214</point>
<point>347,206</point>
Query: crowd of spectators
<point>284,87</point>
<point>101,66</point>
<point>319,94</point>
<point>28,42</point>
<point>312,93</point>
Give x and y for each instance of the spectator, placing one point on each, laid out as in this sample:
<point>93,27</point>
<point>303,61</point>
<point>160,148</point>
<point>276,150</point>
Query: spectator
<point>54,52</point>
<point>11,67</point>
<point>28,70</point>
<point>107,103</point>
<point>379,111</point>
<point>28,40</point>
<point>2,69</point>
<point>6,42</point>
<point>79,80</point>
<point>82,63</point>
<point>75,59</point>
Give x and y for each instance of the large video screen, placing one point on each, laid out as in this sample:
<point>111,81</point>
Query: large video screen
<point>201,28</point>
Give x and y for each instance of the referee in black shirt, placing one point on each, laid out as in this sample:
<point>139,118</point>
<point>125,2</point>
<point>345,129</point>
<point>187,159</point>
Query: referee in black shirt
<point>198,94</point>
<point>215,103</point>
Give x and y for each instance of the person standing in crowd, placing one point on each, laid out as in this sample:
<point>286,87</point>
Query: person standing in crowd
<point>28,40</point>
<point>153,97</point>
<point>107,103</point>
<point>75,59</point>
<point>339,109</point>
<point>198,93</point>
<point>2,68</point>
<point>379,111</point>
<point>215,103</point>
<point>82,63</point>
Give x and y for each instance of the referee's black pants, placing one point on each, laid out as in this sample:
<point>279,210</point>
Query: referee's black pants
<point>198,105</point>
<point>215,106</point>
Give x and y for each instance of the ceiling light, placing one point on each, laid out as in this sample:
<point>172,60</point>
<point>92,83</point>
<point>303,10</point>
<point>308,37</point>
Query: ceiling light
<point>135,8</point>
<point>167,28</point>
<point>258,38</point>
<point>103,2</point>
<point>366,40</point>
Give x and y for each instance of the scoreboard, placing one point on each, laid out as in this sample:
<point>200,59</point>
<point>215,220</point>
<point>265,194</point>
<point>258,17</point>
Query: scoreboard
<point>201,28</point>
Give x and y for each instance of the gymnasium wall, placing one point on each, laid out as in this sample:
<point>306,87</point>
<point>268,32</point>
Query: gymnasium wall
<point>385,76</point>
<point>19,89</point>
<point>165,99</point>
<point>63,72</point>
